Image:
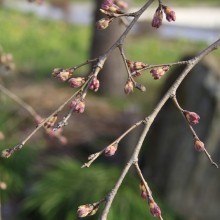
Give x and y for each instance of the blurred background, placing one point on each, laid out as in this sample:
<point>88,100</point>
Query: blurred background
<point>44,180</point>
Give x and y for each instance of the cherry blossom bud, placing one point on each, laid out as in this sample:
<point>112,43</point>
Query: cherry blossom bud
<point>56,71</point>
<point>3,185</point>
<point>158,72</point>
<point>143,191</point>
<point>64,75</point>
<point>94,85</point>
<point>199,145</point>
<point>191,117</point>
<point>110,150</point>
<point>76,82</point>
<point>158,18</point>
<point>103,23</point>
<point>129,87</point>
<point>50,122</point>
<point>87,210</point>
<point>134,66</point>
<point>154,208</point>
<point>78,106</point>
<point>170,14</point>
<point>141,87</point>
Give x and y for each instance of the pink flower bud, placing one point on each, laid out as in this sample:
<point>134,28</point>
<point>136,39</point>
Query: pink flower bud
<point>110,150</point>
<point>158,18</point>
<point>56,71</point>
<point>103,23</point>
<point>154,208</point>
<point>78,106</point>
<point>106,4</point>
<point>94,85</point>
<point>86,210</point>
<point>158,72</point>
<point>129,87</point>
<point>199,145</point>
<point>191,117</point>
<point>170,14</point>
<point>143,191</point>
<point>76,82</point>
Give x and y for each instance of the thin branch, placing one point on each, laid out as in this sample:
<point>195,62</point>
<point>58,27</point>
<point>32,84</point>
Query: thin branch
<point>149,120</point>
<point>19,101</point>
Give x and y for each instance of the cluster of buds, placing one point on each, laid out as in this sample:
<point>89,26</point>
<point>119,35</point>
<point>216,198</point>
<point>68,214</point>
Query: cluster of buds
<point>158,72</point>
<point>129,87</point>
<point>62,74</point>
<point>94,85</point>
<point>192,117</point>
<point>111,149</point>
<point>154,208</point>
<point>77,82</point>
<point>134,67</point>
<point>199,145</point>
<point>158,15</point>
<point>77,105</point>
<point>143,190</point>
<point>87,210</point>
<point>111,8</point>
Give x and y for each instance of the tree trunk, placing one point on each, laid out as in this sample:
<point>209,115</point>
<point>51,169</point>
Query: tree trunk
<point>113,75</point>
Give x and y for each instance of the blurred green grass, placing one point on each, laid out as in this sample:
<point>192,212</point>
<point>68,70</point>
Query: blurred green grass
<point>38,46</point>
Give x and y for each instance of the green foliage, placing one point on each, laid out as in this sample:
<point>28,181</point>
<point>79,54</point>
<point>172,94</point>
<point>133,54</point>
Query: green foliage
<point>40,45</point>
<point>14,172</point>
<point>65,186</point>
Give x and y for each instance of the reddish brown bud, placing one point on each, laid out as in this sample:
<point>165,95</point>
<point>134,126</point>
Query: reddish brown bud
<point>154,208</point>
<point>199,145</point>
<point>143,191</point>
<point>62,74</point>
<point>94,85</point>
<point>158,18</point>
<point>103,23</point>
<point>158,72</point>
<point>110,150</point>
<point>76,82</point>
<point>78,106</point>
<point>134,66</point>
<point>129,87</point>
<point>86,210</point>
<point>191,117</point>
<point>170,14</point>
